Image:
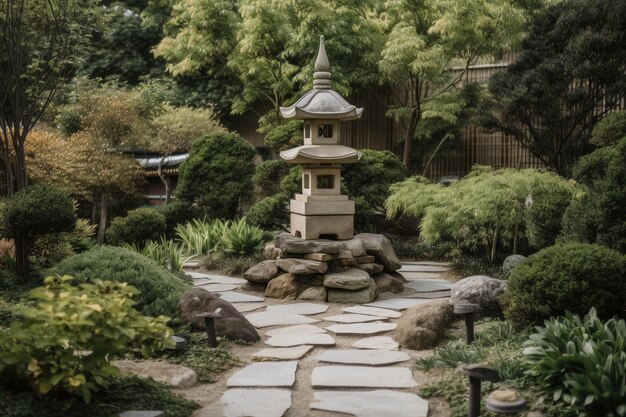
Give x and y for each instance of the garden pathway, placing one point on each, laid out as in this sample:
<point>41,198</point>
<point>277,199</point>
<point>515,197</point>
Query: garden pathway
<point>322,359</point>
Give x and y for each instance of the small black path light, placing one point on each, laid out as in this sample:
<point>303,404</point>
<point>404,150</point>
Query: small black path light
<point>210,325</point>
<point>477,374</point>
<point>467,311</point>
<point>505,402</point>
<point>180,343</point>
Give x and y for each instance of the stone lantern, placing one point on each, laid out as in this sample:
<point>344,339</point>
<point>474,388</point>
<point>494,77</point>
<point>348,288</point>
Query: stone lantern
<point>321,211</point>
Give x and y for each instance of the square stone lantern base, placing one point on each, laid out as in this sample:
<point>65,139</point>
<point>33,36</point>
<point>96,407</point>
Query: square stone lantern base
<point>322,217</point>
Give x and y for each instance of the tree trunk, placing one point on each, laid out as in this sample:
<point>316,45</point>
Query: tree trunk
<point>494,244</point>
<point>167,182</point>
<point>515,233</point>
<point>21,256</point>
<point>102,226</point>
<point>433,154</point>
<point>21,178</point>
<point>409,136</point>
<point>94,208</point>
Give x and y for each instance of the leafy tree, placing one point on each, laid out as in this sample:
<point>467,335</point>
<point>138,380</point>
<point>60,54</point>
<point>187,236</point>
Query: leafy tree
<point>569,75</point>
<point>217,176</point>
<point>41,42</point>
<point>429,46</point>
<point>265,48</point>
<point>175,130</point>
<point>33,211</point>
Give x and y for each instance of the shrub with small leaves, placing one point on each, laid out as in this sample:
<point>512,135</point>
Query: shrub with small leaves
<point>241,239</point>
<point>581,362</point>
<point>137,226</point>
<point>66,340</point>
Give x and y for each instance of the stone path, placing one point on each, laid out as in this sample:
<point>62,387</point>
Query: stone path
<point>325,359</point>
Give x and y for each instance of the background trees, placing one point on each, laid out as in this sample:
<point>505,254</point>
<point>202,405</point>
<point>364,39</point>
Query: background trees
<point>570,74</point>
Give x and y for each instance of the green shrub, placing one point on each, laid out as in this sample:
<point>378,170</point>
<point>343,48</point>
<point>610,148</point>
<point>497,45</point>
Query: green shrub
<point>487,212</point>
<point>581,362</point>
<point>229,264</point>
<point>67,339</point>
<point>122,394</point>
<point>167,253</point>
<point>574,277</point>
<point>199,237</point>
<point>137,226</point>
<point>217,176</point>
<point>241,239</point>
<point>159,289</point>
<point>271,213</point>
<point>610,130</point>
<point>176,212</point>
<point>37,210</point>
<point>268,175</point>
<point>597,213</point>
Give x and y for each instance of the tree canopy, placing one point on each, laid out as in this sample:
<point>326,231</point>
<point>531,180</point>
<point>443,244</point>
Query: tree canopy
<point>570,73</point>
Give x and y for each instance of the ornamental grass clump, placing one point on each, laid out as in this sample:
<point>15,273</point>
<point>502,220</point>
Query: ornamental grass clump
<point>67,339</point>
<point>582,363</point>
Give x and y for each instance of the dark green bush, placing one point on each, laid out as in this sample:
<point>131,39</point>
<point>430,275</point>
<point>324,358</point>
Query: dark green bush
<point>271,213</point>
<point>38,210</point>
<point>597,213</point>
<point>268,175</point>
<point>123,394</point>
<point>137,226</point>
<point>176,212</point>
<point>574,277</point>
<point>160,289</point>
<point>217,176</point>
<point>581,363</point>
<point>291,184</point>
<point>610,130</point>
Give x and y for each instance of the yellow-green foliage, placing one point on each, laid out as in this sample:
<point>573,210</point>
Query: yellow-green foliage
<point>67,340</point>
<point>485,205</point>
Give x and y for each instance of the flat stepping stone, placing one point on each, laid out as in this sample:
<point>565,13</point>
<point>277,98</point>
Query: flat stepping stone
<point>397,303</point>
<point>191,264</point>
<point>246,307</point>
<point>218,287</point>
<point>273,318</point>
<point>363,357</point>
<point>299,308</point>
<point>299,329</point>
<point>371,403</point>
<point>218,279</point>
<point>377,343</point>
<point>411,276</point>
<point>256,402</point>
<point>323,339</point>
<point>361,377</point>
<point>265,374</point>
<point>372,311</point>
<point>427,285</point>
<point>282,354</point>
<point>361,328</point>
<point>431,295</point>
<point>423,268</point>
<point>352,318</point>
<point>235,297</point>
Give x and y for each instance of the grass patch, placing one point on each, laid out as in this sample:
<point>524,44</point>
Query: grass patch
<point>123,394</point>
<point>498,345</point>
<point>476,265</point>
<point>229,264</point>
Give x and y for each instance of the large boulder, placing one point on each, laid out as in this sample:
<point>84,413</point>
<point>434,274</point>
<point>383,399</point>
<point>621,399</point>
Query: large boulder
<point>291,244</point>
<point>380,247</point>
<point>262,272</point>
<point>356,246</point>
<point>284,286</point>
<point>232,324</point>
<point>388,283</point>
<point>315,293</point>
<point>350,279</point>
<point>271,252</point>
<point>479,289</point>
<point>511,262</point>
<point>174,376</point>
<point>366,295</point>
<point>301,266</point>
<point>423,325</point>
<point>371,268</point>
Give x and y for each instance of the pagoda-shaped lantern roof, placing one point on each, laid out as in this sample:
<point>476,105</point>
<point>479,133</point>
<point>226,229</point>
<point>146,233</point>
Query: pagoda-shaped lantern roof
<point>322,102</point>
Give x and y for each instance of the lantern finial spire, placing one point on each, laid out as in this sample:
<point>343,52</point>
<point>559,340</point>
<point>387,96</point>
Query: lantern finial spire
<point>321,76</point>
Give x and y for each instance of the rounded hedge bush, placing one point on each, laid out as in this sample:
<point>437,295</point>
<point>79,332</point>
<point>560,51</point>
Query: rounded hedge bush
<point>566,277</point>
<point>137,226</point>
<point>160,289</point>
<point>39,209</point>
